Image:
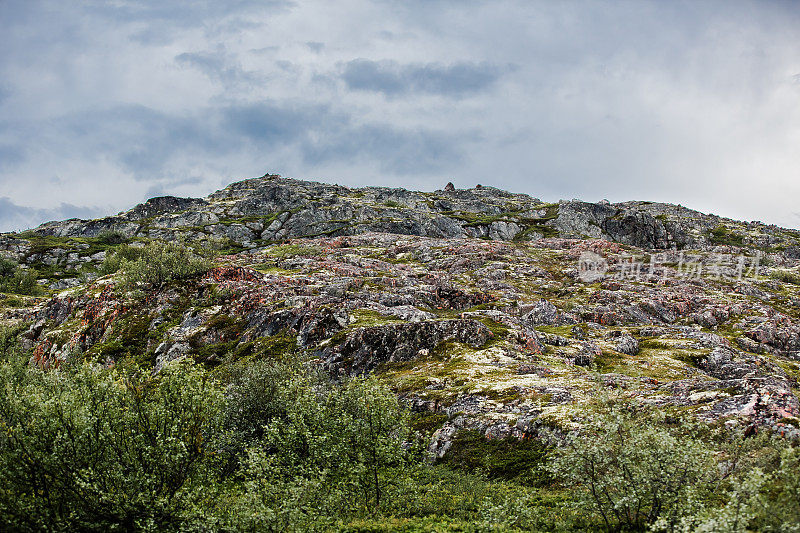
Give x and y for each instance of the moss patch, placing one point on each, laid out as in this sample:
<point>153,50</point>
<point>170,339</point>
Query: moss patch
<point>510,459</point>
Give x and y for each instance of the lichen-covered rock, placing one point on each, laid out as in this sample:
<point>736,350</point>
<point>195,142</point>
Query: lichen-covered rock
<point>627,344</point>
<point>542,313</point>
<point>367,348</point>
<point>468,302</point>
<point>588,352</point>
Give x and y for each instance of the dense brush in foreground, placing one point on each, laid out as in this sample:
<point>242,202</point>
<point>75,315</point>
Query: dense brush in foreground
<point>272,447</point>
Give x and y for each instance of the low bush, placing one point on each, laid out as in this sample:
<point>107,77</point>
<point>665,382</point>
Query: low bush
<point>111,238</point>
<point>16,280</point>
<point>272,446</point>
<point>508,459</point>
<point>160,262</point>
<point>90,450</point>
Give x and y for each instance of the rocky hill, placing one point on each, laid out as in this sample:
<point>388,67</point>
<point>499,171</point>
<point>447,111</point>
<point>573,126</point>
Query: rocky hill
<point>483,309</point>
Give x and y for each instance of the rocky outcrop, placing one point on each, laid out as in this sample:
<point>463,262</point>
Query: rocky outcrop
<point>272,208</point>
<point>368,348</point>
<point>468,302</point>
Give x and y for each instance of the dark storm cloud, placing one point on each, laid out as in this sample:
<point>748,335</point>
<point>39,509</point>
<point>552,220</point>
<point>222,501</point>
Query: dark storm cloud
<point>18,217</point>
<point>392,78</point>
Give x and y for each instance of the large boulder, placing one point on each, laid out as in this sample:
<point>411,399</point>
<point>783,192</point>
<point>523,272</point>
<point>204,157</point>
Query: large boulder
<point>367,348</point>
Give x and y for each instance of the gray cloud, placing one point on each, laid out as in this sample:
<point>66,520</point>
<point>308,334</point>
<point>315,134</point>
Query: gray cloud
<point>139,138</point>
<point>11,155</point>
<point>399,152</point>
<point>392,78</point>
<point>323,136</point>
<point>17,217</point>
<point>219,65</point>
<point>691,102</point>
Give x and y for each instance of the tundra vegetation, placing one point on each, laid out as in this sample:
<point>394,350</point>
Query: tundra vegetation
<point>292,356</point>
<point>271,446</point>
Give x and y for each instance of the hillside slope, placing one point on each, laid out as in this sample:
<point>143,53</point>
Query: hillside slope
<point>490,310</point>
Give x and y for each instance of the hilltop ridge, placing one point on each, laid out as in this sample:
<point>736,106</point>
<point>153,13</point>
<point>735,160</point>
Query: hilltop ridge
<point>257,211</point>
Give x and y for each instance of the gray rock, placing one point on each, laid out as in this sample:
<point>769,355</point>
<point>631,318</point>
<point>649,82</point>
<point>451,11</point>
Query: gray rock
<point>367,348</point>
<point>166,353</point>
<point>627,344</point>
<point>543,313</point>
<point>588,352</point>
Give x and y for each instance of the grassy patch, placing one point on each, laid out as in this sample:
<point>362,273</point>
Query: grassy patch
<point>509,459</point>
<point>539,225</point>
<point>722,235</point>
<point>427,422</point>
<point>283,251</point>
<point>786,276</point>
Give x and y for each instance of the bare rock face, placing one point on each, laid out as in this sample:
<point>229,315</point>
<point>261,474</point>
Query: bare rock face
<point>272,208</point>
<point>543,313</point>
<point>637,229</point>
<point>164,204</point>
<point>368,348</point>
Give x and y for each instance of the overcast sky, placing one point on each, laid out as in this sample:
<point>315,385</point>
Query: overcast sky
<point>104,104</point>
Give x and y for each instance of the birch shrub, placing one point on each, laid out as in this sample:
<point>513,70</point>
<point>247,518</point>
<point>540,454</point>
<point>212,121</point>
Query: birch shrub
<point>633,470</point>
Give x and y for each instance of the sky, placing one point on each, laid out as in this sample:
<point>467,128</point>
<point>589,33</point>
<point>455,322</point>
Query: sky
<point>105,104</point>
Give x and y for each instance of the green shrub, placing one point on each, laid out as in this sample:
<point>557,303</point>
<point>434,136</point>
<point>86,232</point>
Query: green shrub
<point>111,238</point>
<point>161,262</point>
<point>16,280</point>
<point>7,267</point>
<point>764,499</point>
<point>631,470</point>
<point>117,257</point>
<point>786,276</point>
<point>722,235</point>
<point>255,397</point>
<point>509,459</point>
<point>84,449</point>
<point>328,451</point>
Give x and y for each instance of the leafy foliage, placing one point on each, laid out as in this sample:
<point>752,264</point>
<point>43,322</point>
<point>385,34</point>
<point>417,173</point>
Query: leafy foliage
<point>117,257</point>
<point>16,280</point>
<point>161,262</point>
<point>86,449</point>
<point>322,449</point>
<point>509,459</point>
<point>111,238</point>
<point>271,446</point>
<point>633,471</point>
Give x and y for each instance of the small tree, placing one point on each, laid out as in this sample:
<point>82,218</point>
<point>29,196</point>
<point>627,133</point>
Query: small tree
<point>161,262</point>
<point>633,470</point>
<point>84,449</point>
<point>334,451</point>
